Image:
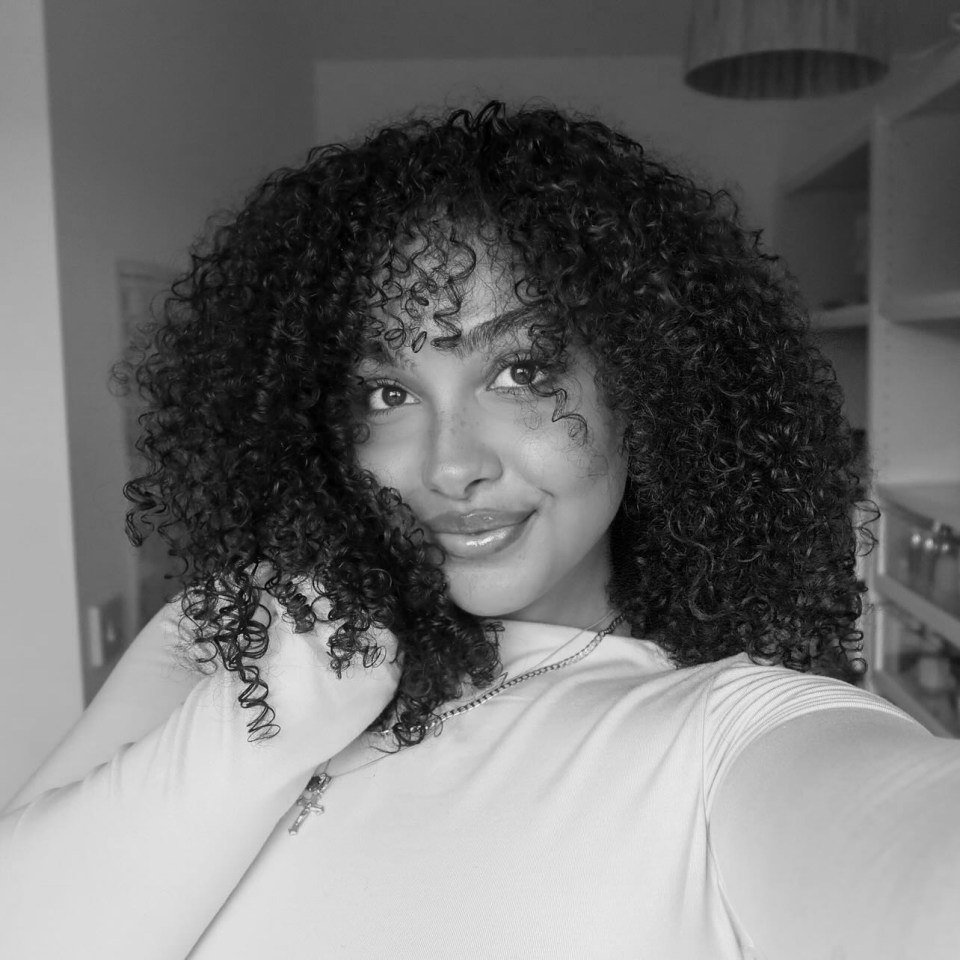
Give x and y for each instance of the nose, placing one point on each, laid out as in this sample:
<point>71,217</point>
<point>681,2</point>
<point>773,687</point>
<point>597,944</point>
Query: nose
<point>462,454</point>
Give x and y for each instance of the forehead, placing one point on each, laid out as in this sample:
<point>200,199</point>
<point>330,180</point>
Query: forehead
<point>464,315</point>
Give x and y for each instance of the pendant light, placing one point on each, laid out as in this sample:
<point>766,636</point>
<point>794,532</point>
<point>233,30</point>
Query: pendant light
<point>787,49</point>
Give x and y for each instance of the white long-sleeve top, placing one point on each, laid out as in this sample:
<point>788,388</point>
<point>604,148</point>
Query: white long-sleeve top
<point>617,808</point>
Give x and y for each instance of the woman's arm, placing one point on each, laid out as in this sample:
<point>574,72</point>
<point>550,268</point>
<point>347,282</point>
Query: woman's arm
<point>134,857</point>
<point>150,681</point>
<point>837,835</point>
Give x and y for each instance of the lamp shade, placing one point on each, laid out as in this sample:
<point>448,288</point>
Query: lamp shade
<point>761,49</point>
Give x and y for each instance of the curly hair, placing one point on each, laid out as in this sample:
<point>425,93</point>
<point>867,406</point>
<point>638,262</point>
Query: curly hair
<point>736,532</point>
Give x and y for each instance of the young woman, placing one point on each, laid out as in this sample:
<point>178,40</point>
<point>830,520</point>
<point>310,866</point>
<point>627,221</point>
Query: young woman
<point>518,599</point>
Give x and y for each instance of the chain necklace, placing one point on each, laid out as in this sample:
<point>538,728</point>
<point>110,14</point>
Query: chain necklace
<point>309,800</point>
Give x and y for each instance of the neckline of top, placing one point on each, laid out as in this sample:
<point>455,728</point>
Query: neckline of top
<point>525,644</point>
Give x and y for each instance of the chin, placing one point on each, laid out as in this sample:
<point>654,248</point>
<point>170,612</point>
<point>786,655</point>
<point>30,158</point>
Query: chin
<point>489,602</point>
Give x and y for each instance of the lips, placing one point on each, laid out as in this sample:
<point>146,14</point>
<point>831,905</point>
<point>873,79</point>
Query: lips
<point>478,521</point>
<point>478,534</point>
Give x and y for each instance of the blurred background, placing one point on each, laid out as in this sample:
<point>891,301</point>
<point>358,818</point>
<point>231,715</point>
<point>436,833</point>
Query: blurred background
<point>125,123</point>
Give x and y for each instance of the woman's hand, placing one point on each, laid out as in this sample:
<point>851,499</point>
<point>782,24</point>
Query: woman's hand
<point>312,703</point>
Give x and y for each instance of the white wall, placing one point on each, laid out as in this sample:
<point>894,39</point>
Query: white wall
<point>736,144</point>
<point>39,641</point>
<point>160,111</point>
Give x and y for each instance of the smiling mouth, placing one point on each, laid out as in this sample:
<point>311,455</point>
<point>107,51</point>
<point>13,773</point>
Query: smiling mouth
<point>482,543</point>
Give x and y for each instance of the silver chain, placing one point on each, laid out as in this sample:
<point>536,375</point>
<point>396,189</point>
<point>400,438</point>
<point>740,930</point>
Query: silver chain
<point>496,691</point>
<point>309,800</point>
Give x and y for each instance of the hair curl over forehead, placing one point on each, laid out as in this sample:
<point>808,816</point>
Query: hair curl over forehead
<point>735,533</point>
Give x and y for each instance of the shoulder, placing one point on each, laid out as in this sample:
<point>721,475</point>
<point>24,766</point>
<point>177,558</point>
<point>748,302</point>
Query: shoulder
<point>740,690</point>
<point>743,701</point>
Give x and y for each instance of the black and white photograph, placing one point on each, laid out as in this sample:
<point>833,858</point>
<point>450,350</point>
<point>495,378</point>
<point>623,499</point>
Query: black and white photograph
<point>481,481</point>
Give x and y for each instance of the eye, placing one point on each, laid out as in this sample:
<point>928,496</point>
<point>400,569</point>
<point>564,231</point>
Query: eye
<point>518,375</point>
<point>382,397</point>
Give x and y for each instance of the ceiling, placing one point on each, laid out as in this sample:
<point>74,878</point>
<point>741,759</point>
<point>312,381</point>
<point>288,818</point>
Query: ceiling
<point>414,29</point>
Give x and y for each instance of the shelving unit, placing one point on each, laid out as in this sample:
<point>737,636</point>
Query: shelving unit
<point>855,316</point>
<point>888,314</point>
<point>826,209</point>
<point>941,622</point>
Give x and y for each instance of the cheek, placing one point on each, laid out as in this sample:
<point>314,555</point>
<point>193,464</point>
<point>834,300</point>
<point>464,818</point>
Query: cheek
<point>386,463</point>
<point>576,463</point>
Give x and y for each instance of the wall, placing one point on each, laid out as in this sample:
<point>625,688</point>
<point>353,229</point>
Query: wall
<point>40,644</point>
<point>730,143</point>
<point>161,111</point>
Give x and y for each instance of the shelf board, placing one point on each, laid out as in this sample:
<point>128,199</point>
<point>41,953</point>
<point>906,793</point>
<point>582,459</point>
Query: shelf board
<point>936,93</point>
<point>936,501</point>
<point>932,616</point>
<point>894,690</point>
<point>854,316</point>
<point>922,307</point>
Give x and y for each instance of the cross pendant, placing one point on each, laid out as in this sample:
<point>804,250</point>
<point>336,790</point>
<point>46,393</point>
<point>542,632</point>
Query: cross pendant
<point>309,800</point>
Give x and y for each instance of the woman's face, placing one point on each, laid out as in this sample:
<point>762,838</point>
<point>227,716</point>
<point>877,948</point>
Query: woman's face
<point>521,508</point>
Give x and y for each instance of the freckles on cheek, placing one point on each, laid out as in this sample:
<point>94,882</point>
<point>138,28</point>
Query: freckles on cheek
<point>600,465</point>
<point>551,460</point>
<point>597,461</point>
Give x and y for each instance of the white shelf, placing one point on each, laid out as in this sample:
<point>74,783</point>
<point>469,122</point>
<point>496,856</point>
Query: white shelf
<point>894,690</point>
<point>890,166</point>
<point>923,307</point>
<point>932,616</point>
<point>935,92</point>
<point>855,316</point>
<point>936,501</point>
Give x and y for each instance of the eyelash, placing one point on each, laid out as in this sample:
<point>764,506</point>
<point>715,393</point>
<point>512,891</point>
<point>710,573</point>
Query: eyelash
<point>540,374</point>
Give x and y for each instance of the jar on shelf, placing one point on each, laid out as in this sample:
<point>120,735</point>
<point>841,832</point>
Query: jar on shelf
<point>914,578</point>
<point>929,554</point>
<point>945,587</point>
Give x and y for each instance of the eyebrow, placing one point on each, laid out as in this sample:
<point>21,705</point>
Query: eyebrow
<point>481,337</point>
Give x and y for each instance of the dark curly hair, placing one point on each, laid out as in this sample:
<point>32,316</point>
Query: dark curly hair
<point>736,532</point>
